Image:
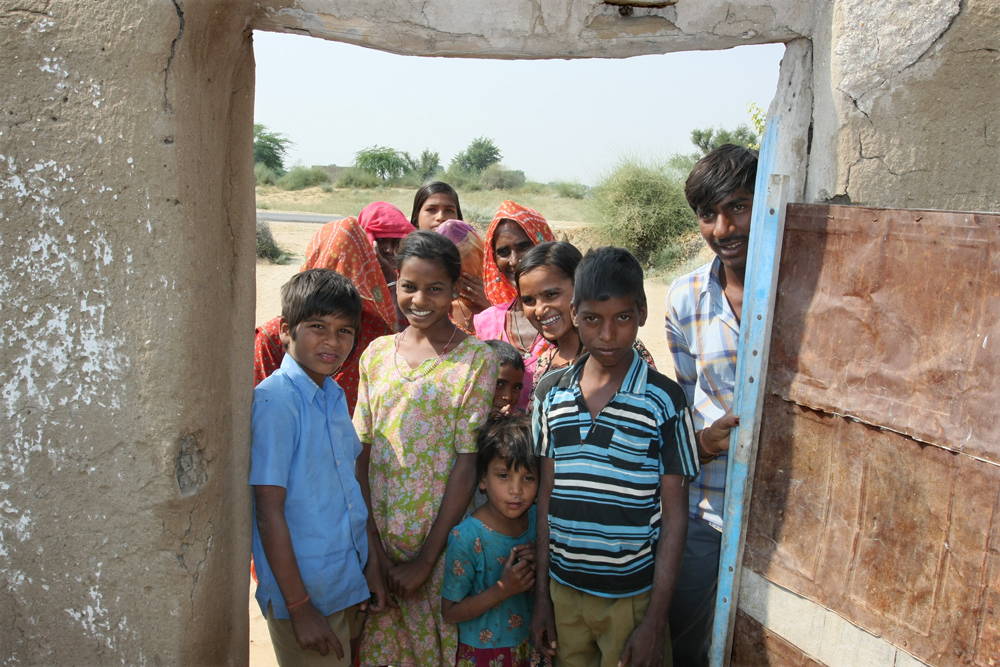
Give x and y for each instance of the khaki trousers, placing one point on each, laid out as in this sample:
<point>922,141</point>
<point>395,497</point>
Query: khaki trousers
<point>591,631</point>
<point>346,624</point>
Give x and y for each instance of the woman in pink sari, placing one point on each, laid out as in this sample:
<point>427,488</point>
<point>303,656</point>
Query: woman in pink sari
<point>514,231</point>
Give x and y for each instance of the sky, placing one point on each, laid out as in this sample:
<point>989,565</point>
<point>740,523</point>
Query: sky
<point>556,120</point>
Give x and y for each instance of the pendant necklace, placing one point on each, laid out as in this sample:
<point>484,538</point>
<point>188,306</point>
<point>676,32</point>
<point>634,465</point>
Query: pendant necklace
<point>437,361</point>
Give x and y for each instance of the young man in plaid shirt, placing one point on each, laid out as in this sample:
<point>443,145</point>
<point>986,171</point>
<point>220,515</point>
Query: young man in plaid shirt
<point>703,332</point>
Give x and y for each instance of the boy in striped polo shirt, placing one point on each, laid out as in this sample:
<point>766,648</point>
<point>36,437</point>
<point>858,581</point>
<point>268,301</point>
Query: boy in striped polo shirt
<point>618,451</point>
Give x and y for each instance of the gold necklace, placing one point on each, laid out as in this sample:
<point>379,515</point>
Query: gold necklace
<point>437,361</point>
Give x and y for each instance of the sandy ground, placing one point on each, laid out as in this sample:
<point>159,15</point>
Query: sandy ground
<point>293,238</point>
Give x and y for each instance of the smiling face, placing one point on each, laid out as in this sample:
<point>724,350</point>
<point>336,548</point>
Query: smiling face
<point>608,329</point>
<point>510,244</point>
<point>319,344</point>
<point>547,295</point>
<point>438,208</point>
<point>510,491</point>
<point>726,229</point>
<point>424,292</point>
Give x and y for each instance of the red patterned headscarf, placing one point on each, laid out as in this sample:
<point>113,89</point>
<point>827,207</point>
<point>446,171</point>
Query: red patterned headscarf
<point>382,220</point>
<point>342,246</point>
<point>499,289</point>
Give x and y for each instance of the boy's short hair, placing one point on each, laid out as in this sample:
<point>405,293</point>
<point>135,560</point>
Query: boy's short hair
<point>720,173</point>
<point>319,292</point>
<point>506,437</point>
<point>507,354</point>
<point>608,273</point>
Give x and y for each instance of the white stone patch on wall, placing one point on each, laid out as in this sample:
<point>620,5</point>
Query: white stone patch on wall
<point>878,40</point>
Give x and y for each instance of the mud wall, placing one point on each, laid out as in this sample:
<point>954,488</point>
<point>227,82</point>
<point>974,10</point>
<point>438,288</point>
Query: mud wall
<point>127,255</point>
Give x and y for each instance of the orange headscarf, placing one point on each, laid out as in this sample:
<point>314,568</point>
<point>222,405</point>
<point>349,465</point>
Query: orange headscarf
<point>343,246</point>
<point>499,290</point>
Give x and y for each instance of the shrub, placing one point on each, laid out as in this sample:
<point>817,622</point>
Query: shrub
<point>642,208</point>
<point>479,214</point>
<point>495,177</point>
<point>357,179</point>
<point>264,175</point>
<point>303,177</point>
<point>570,190</point>
<point>267,248</point>
<point>533,188</point>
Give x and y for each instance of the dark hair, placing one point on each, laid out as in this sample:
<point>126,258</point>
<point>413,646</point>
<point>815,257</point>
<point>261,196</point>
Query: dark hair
<point>506,437</point>
<point>425,192</point>
<point>319,292</point>
<point>719,174</point>
<point>609,273</point>
<point>562,256</point>
<point>431,247</point>
<point>507,354</point>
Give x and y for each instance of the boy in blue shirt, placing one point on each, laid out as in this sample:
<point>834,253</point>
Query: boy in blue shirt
<point>310,545</point>
<point>617,452</point>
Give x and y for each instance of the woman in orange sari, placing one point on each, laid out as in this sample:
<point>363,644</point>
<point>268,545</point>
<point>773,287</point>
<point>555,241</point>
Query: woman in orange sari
<point>341,246</point>
<point>514,231</point>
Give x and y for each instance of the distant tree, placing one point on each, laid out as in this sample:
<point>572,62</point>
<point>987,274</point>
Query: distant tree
<point>480,154</point>
<point>270,148</point>
<point>426,165</point>
<point>708,139</point>
<point>382,161</point>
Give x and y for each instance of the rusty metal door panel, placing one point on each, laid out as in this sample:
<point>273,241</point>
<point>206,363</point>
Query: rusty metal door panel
<point>893,317</point>
<point>756,646</point>
<point>896,536</point>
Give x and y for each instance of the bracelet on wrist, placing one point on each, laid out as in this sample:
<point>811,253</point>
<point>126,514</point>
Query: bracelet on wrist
<point>301,602</point>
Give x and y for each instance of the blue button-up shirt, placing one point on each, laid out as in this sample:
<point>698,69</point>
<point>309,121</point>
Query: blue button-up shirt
<point>304,441</point>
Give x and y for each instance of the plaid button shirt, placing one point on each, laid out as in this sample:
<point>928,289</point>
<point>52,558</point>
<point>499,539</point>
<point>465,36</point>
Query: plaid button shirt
<point>703,335</point>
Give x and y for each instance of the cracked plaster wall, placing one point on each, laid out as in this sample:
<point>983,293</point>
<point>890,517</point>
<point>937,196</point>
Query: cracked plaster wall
<point>127,253</point>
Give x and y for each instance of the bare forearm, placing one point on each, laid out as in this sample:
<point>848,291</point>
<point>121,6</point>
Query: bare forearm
<point>472,606</point>
<point>542,556</point>
<point>456,500</point>
<point>670,548</point>
<point>276,539</point>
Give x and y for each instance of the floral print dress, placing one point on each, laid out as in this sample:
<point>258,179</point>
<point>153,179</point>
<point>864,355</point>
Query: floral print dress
<point>417,422</point>
<point>475,561</point>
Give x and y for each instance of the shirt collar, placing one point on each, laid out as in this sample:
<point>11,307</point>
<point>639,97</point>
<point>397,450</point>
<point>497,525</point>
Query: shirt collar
<point>305,384</point>
<point>634,382</point>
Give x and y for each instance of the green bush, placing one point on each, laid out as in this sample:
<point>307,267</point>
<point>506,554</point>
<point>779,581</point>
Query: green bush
<point>356,179</point>
<point>479,214</point>
<point>534,188</point>
<point>570,190</point>
<point>264,175</point>
<point>642,208</point>
<point>495,177</point>
<point>300,178</point>
<point>267,248</point>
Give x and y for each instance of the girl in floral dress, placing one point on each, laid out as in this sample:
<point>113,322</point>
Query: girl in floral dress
<point>422,396</point>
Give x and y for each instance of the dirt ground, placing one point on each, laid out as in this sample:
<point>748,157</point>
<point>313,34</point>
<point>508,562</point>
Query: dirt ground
<point>293,238</point>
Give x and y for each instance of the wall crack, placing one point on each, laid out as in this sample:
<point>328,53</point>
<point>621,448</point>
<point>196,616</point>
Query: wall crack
<point>170,60</point>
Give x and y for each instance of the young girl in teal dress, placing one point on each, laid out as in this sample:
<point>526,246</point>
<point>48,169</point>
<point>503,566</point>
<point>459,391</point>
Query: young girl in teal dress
<point>490,564</point>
